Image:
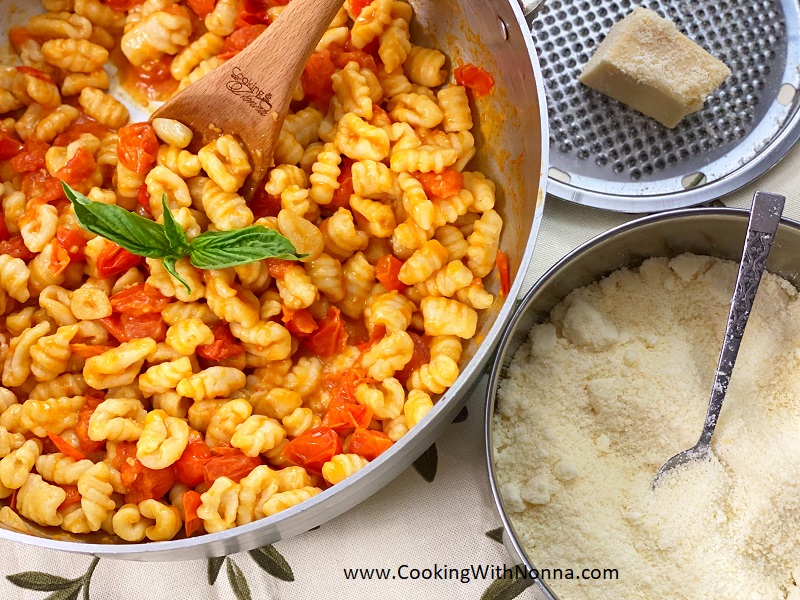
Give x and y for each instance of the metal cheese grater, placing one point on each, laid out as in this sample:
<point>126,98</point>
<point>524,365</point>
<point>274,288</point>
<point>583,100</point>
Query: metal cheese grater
<point>606,155</point>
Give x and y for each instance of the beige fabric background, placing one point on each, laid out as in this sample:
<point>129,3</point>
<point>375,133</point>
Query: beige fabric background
<point>409,522</point>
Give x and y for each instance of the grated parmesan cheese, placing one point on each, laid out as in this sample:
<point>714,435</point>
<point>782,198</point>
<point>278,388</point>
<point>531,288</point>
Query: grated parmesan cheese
<point>615,384</point>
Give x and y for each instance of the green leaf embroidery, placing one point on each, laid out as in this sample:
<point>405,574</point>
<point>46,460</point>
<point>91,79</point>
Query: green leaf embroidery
<point>427,464</point>
<point>40,582</point>
<point>176,236</point>
<point>134,233</point>
<point>269,559</point>
<point>87,578</point>
<point>222,249</point>
<point>507,589</point>
<point>214,565</point>
<point>62,588</point>
<point>67,594</point>
<point>238,582</point>
<point>496,535</point>
<point>462,416</point>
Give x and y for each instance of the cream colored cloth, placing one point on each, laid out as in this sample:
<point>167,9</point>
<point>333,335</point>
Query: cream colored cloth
<point>410,522</point>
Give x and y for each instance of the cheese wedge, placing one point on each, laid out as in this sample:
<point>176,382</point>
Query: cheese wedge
<point>646,63</point>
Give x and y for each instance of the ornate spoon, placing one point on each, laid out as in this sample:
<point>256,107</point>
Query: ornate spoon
<point>764,218</point>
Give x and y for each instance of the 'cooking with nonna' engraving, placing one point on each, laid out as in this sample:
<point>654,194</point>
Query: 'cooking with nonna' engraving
<point>249,92</point>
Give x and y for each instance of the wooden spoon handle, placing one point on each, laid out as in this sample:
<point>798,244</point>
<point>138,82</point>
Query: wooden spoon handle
<point>250,94</point>
<point>266,72</point>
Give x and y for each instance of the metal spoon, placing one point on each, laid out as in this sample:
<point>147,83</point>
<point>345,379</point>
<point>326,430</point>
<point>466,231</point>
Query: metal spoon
<point>764,218</point>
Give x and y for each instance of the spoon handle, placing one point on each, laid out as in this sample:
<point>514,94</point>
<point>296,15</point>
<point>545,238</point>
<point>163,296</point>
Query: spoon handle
<point>764,218</point>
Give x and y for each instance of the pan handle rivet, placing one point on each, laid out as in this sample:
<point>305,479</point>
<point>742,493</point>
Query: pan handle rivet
<point>786,94</point>
<point>503,27</point>
<point>693,180</point>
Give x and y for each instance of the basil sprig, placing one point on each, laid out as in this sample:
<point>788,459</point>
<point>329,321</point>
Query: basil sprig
<point>168,242</point>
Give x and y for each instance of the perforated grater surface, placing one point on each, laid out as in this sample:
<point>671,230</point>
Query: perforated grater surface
<point>607,155</point>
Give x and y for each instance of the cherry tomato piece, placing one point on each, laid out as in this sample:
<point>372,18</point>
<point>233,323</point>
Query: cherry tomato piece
<point>31,157</point>
<point>84,124</point>
<point>369,444</point>
<point>143,198</point>
<point>73,496</point>
<point>233,464</point>
<point>278,267</point>
<point>356,6</point>
<point>387,271</point>
<point>239,40</point>
<point>330,336</point>
<point>377,335</point>
<point>189,467</point>
<point>59,258</point>
<point>73,241</point>
<point>313,449</point>
<point>150,483</point>
<point>300,322</point>
<point>341,56</point>
<point>421,356</point>
<point>9,147</point>
<point>441,185</point>
<point>64,447</point>
<point>201,7</point>
<point>123,452</point>
<point>341,197</point>
<point>35,73</point>
<point>126,327</point>
<point>78,168</point>
<point>503,271</point>
<point>153,79</point>
<point>479,81</point>
<point>87,444</point>
<point>344,388</point>
<point>138,300</point>
<point>316,78</point>
<point>18,36</point>
<point>191,502</point>
<point>4,234</point>
<point>265,205</point>
<point>88,350</point>
<point>223,346</point>
<point>114,260</point>
<point>346,417</point>
<point>38,184</point>
<point>16,248</point>
<point>246,19</point>
<point>138,146</point>
<point>122,5</point>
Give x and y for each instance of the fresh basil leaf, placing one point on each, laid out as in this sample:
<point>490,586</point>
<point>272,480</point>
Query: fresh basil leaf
<point>134,233</point>
<point>169,265</point>
<point>174,232</point>
<point>222,249</point>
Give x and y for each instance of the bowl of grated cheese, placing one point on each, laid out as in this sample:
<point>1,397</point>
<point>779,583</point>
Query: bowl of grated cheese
<point>604,372</point>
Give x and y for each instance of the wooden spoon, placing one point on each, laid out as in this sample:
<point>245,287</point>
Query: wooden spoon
<point>249,95</point>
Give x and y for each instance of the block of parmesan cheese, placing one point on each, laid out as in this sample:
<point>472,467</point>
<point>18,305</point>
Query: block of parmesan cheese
<point>646,63</point>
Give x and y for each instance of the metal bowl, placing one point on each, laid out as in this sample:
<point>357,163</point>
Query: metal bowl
<point>512,128</point>
<point>716,232</point>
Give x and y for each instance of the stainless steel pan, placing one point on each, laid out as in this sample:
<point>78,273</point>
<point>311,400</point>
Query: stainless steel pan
<point>512,141</point>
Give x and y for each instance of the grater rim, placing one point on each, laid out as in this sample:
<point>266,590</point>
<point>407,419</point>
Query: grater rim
<point>767,141</point>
